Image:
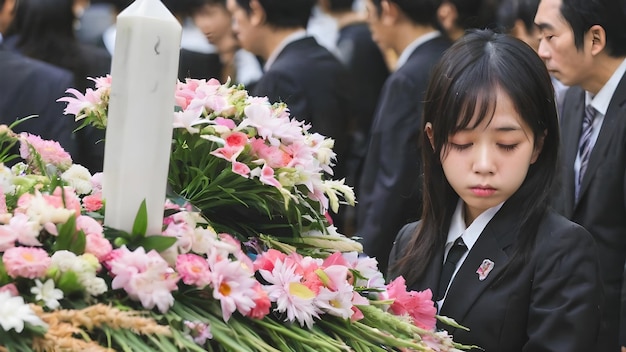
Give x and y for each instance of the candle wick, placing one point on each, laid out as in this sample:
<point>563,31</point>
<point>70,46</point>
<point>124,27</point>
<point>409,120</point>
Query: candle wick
<point>156,46</point>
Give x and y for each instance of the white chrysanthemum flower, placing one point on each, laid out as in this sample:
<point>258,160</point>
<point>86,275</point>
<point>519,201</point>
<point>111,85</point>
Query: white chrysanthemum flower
<point>94,285</point>
<point>79,178</point>
<point>14,313</point>
<point>63,260</point>
<point>47,293</point>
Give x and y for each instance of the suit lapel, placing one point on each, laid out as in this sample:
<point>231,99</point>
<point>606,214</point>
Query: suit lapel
<point>430,279</point>
<point>615,111</point>
<point>571,130</point>
<point>466,286</point>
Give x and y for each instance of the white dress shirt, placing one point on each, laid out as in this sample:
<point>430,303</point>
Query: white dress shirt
<point>469,234</point>
<point>601,103</point>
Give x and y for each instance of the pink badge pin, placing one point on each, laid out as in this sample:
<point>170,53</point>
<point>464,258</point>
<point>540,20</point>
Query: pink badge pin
<point>484,269</point>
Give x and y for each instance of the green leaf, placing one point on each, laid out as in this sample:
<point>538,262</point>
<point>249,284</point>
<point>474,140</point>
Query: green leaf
<point>69,238</point>
<point>68,283</point>
<point>141,220</point>
<point>158,243</point>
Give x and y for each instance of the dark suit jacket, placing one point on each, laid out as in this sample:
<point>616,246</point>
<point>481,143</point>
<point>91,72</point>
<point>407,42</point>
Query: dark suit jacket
<point>551,304</point>
<point>389,194</point>
<point>601,208</point>
<point>29,87</point>
<point>315,87</point>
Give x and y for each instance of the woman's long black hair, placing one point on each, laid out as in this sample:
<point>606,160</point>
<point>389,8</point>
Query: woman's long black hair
<point>465,82</point>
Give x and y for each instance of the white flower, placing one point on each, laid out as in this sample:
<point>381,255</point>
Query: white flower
<point>14,313</point>
<point>47,293</point>
<point>79,178</point>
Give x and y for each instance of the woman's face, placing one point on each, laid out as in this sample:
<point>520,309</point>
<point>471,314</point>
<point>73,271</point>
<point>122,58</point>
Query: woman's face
<point>487,164</point>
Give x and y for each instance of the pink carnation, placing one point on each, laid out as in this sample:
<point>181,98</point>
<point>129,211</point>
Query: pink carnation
<point>193,270</point>
<point>51,152</point>
<point>267,260</point>
<point>418,305</point>
<point>27,262</point>
<point>93,202</point>
<point>262,303</point>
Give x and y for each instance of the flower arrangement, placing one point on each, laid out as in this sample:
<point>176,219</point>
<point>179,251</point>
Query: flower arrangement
<point>272,276</point>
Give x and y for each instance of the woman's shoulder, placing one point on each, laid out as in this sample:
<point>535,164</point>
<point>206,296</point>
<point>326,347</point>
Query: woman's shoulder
<point>405,234</point>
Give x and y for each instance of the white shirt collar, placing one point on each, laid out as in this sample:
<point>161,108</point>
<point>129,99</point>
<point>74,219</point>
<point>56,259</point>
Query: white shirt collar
<point>288,40</point>
<point>602,100</point>
<point>470,233</point>
<point>406,53</point>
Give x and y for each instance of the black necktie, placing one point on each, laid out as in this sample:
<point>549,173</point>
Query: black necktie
<point>454,255</point>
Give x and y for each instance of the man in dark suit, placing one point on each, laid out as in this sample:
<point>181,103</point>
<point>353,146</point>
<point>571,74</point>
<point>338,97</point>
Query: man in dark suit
<point>29,87</point>
<point>583,46</point>
<point>298,71</point>
<point>368,72</point>
<point>390,196</point>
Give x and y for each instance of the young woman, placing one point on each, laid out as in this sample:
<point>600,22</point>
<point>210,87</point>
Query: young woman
<point>525,277</point>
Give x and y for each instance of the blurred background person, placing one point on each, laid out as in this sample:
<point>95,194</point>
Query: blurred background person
<point>368,72</point>
<point>31,87</point>
<point>457,16</point>
<point>44,30</point>
<point>212,18</point>
<point>517,17</point>
<point>298,71</point>
<point>390,193</point>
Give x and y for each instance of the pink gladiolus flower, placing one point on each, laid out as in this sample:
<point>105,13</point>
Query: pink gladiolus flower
<point>193,270</point>
<point>220,121</point>
<point>267,177</point>
<point>27,262</point>
<point>227,153</point>
<point>93,202</point>
<point>241,169</point>
<point>273,156</point>
<point>234,286</point>
<point>51,152</point>
<point>418,305</point>
<point>80,102</point>
<point>102,82</point>
<point>236,139</point>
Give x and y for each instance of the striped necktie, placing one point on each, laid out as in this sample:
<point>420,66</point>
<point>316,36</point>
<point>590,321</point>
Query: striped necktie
<point>584,144</point>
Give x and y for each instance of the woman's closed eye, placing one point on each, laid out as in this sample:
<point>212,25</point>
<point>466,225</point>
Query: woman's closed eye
<point>508,147</point>
<point>459,146</point>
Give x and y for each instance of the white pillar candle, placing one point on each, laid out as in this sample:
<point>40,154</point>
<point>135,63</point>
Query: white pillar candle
<point>141,112</point>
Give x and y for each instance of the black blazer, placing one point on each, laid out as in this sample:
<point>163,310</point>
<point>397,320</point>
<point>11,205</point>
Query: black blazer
<point>601,208</point>
<point>551,304</point>
<point>390,194</point>
<point>315,86</point>
<point>30,87</point>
